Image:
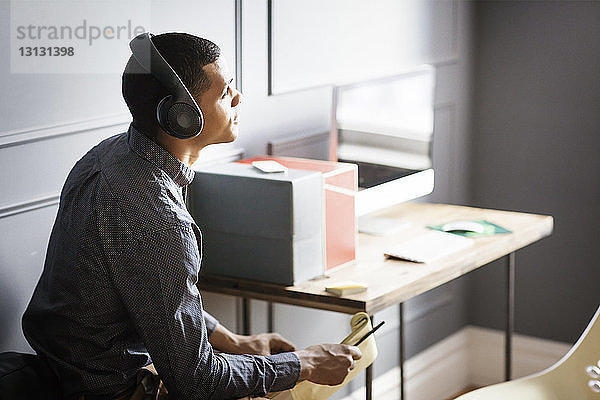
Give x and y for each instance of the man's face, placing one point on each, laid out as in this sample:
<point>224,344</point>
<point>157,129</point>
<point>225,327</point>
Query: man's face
<point>219,104</point>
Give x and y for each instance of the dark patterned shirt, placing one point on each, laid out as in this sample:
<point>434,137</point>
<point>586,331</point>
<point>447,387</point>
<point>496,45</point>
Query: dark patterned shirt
<point>118,289</point>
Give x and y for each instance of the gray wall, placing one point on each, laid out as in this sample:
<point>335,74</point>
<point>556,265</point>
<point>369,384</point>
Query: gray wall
<point>38,147</point>
<point>536,140</point>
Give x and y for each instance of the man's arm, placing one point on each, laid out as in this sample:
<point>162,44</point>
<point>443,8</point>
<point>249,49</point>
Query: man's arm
<point>264,344</point>
<point>156,278</point>
<point>210,322</point>
<point>326,364</point>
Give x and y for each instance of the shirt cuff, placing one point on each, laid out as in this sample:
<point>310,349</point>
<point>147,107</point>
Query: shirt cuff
<point>287,370</point>
<point>210,322</point>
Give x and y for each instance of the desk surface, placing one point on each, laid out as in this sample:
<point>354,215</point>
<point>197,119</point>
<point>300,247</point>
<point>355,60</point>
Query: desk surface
<point>393,281</point>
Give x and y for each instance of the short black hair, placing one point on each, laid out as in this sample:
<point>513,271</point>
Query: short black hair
<point>187,55</point>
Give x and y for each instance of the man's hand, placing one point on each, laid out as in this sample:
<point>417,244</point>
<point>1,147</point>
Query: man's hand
<point>263,344</point>
<point>327,364</point>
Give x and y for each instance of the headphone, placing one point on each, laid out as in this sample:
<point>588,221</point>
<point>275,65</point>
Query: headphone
<point>178,113</point>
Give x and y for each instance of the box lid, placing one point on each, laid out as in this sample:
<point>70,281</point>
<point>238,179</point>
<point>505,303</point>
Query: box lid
<point>344,175</point>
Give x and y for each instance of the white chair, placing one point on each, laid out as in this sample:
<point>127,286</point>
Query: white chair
<point>575,377</point>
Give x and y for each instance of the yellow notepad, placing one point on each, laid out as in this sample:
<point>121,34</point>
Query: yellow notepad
<point>343,288</point>
<point>360,324</point>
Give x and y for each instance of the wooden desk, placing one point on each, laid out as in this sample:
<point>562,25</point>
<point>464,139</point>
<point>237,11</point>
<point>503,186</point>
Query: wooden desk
<point>393,282</point>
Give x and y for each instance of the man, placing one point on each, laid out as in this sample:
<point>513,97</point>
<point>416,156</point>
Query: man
<point>118,288</point>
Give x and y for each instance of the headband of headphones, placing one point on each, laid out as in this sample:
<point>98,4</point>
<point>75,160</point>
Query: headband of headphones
<point>178,113</point>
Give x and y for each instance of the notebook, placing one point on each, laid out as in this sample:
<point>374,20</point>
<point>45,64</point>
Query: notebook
<point>429,247</point>
<point>360,324</point>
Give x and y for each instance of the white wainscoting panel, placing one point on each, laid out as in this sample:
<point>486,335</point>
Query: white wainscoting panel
<point>22,253</point>
<point>35,163</point>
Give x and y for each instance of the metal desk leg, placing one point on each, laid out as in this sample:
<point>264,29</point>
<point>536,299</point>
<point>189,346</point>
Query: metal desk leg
<point>369,375</point>
<point>510,315</point>
<point>270,323</point>
<point>401,352</point>
<point>245,316</point>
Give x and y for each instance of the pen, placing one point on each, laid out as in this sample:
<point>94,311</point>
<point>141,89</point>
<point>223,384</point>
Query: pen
<point>370,333</point>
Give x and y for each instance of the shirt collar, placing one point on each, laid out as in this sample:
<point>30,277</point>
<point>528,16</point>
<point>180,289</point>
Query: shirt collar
<point>146,148</point>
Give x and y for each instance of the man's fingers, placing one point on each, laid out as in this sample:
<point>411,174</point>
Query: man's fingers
<point>281,344</point>
<point>352,365</point>
<point>355,352</point>
<point>288,346</point>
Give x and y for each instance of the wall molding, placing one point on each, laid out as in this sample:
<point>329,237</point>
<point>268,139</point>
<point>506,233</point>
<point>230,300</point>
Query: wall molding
<point>530,355</point>
<point>17,137</point>
<point>30,205</point>
<point>212,154</point>
<point>437,61</point>
<point>238,43</point>
<point>23,136</point>
<point>472,356</point>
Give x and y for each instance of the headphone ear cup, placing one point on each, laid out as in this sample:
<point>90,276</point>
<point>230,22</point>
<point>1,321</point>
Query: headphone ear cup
<point>162,112</point>
<point>179,119</point>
